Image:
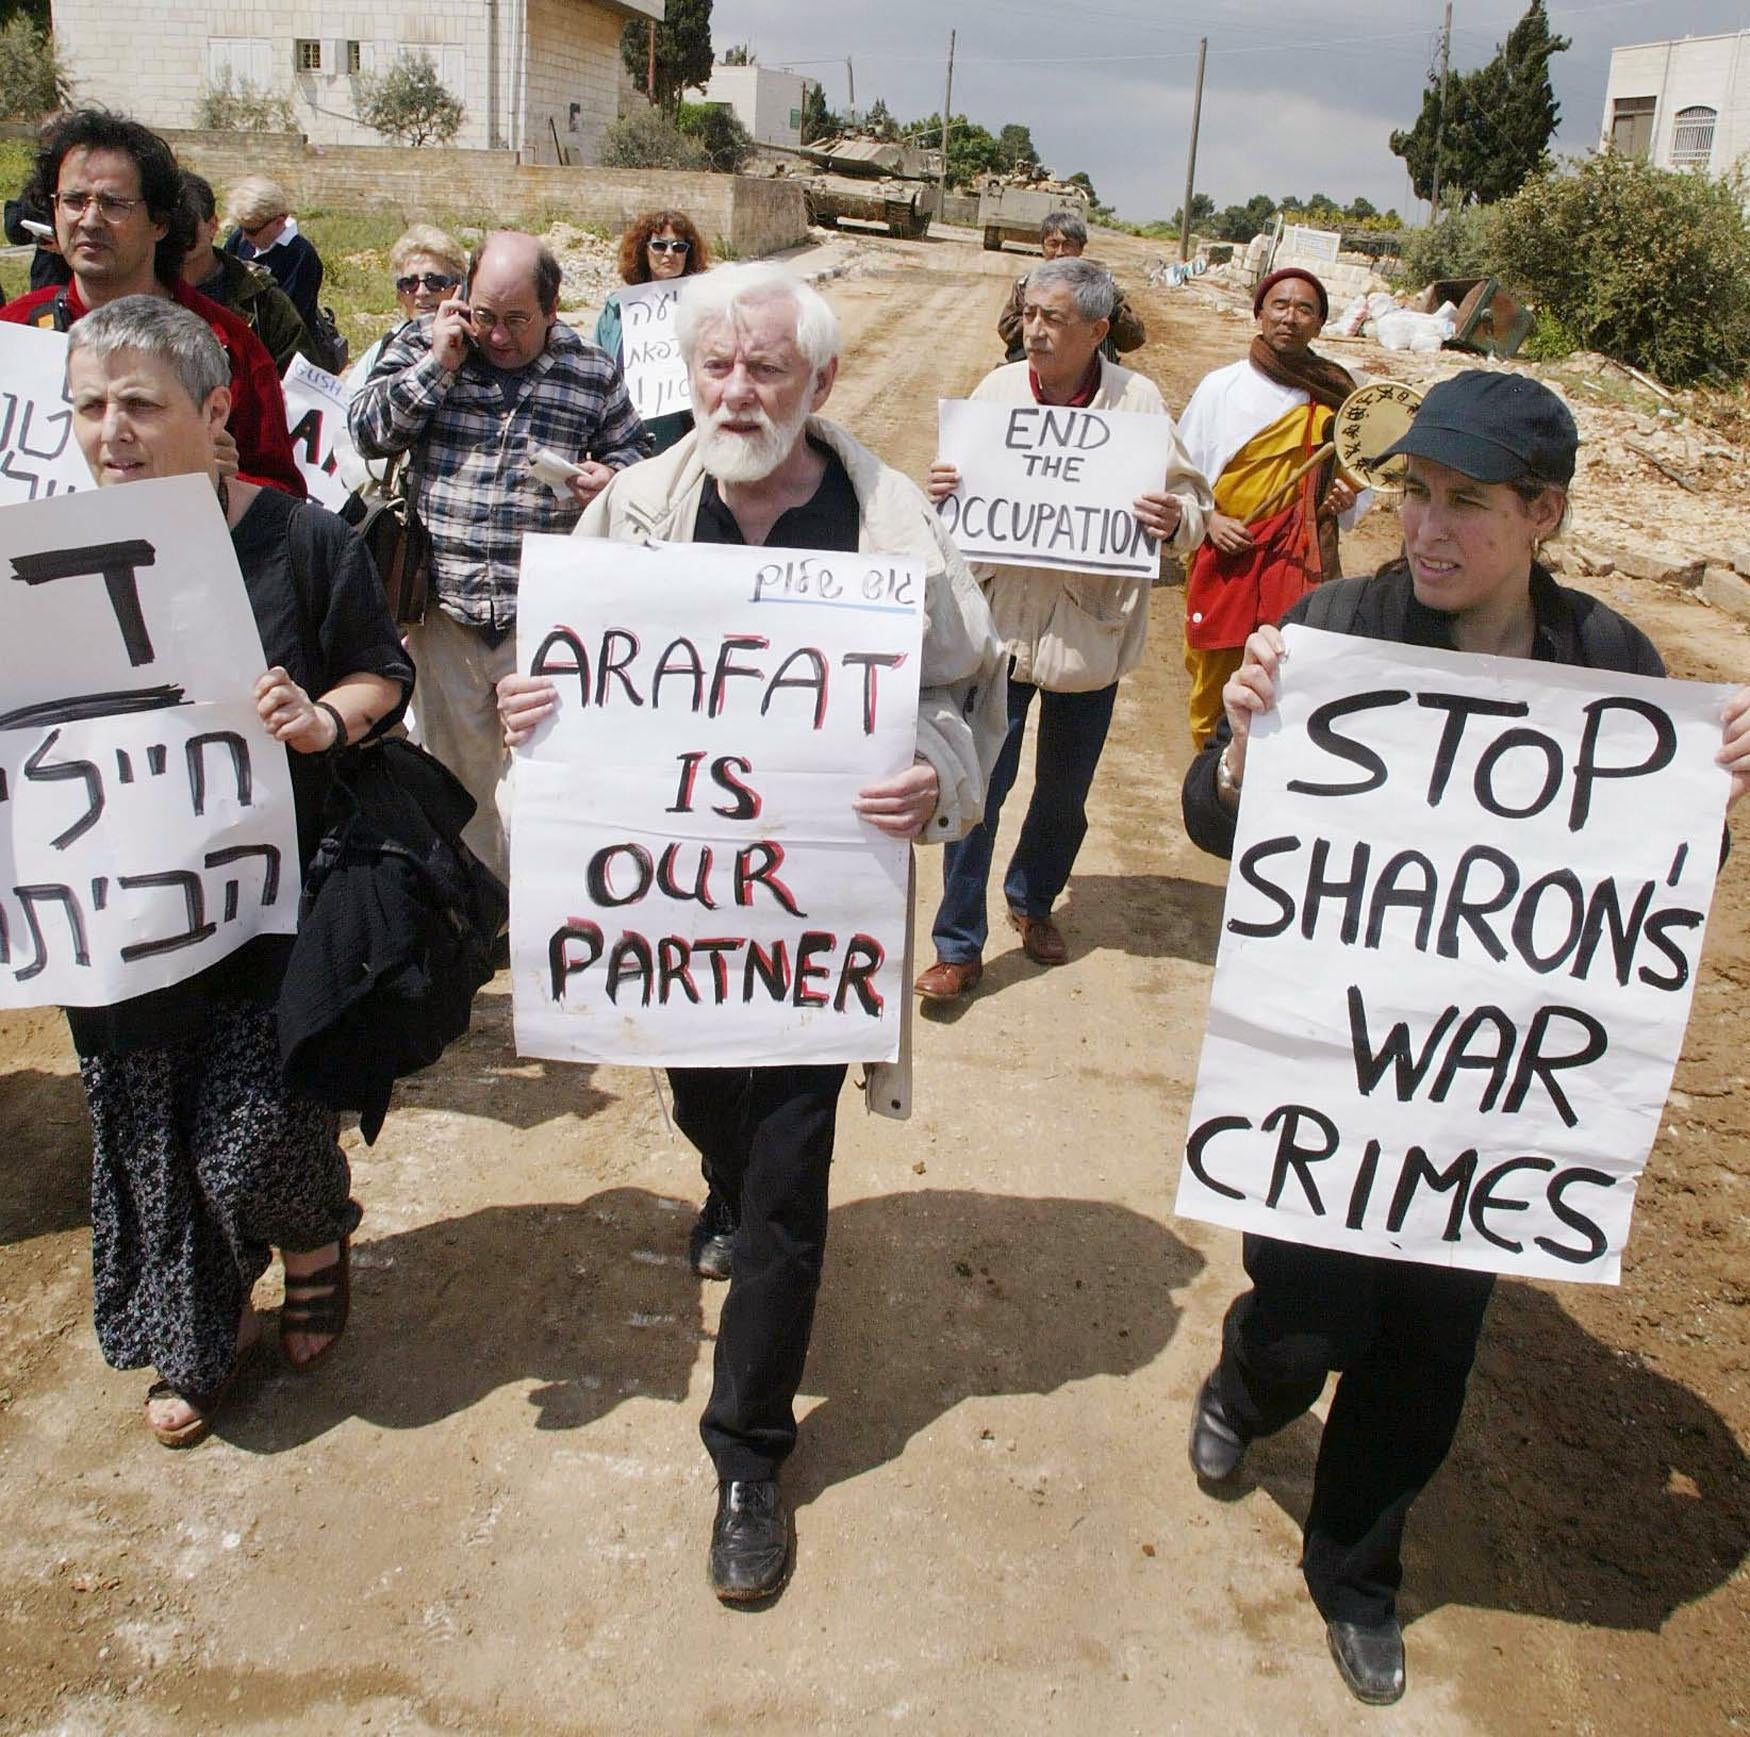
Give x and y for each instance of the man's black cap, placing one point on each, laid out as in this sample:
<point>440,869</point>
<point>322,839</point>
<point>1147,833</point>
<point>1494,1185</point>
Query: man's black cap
<point>1494,427</point>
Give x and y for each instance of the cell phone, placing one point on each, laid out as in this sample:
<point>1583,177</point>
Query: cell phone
<point>553,470</point>
<point>40,230</point>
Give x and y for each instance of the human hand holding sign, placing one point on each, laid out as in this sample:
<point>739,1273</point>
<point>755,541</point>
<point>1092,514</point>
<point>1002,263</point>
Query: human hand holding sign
<point>900,806</point>
<point>1734,752</point>
<point>1159,514</point>
<point>291,716</point>
<point>943,480</point>
<point>1250,693</point>
<point>524,703</point>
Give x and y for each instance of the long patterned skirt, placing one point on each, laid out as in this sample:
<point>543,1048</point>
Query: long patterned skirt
<point>202,1164</point>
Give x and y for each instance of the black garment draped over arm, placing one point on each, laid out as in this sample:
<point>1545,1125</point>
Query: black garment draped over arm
<point>319,626</point>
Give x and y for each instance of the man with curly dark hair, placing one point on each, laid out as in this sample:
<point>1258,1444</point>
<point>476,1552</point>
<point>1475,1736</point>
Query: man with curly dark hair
<point>656,246</point>
<point>123,227</point>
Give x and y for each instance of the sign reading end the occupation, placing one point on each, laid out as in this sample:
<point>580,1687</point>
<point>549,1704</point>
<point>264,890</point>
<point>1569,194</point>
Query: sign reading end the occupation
<point>689,882</point>
<point>1045,485</point>
<point>1460,940</point>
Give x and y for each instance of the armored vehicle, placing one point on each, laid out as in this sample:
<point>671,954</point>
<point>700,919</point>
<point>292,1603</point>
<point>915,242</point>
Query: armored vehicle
<point>869,180</point>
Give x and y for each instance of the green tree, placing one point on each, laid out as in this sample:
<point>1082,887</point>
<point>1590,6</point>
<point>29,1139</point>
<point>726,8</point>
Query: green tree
<point>1080,179</point>
<point>33,77</point>
<point>240,106</point>
<point>35,11</point>
<point>1202,210</point>
<point>740,55</point>
<point>409,103</point>
<point>648,139</point>
<point>1648,265</point>
<point>818,121</point>
<point>724,140</point>
<point>683,52</point>
<point>1015,146</point>
<point>879,121</point>
<point>1241,222</point>
<point>972,150</point>
<point>1498,120</point>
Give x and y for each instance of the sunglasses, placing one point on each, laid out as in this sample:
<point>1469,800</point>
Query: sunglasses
<point>656,246</point>
<point>431,280</point>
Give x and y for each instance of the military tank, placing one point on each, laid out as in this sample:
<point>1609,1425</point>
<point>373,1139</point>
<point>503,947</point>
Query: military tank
<point>869,180</point>
<point>1011,207</point>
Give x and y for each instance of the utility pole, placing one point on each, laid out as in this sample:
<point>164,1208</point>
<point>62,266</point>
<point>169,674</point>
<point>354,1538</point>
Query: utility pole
<point>1440,116</point>
<point>851,79</point>
<point>947,110</point>
<point>1191,159</point>
<point>650,70</point>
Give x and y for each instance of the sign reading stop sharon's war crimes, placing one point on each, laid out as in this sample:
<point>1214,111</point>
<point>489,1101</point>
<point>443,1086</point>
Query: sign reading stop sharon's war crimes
<point>689,883</point>
<point>650,350</point>
<point>146,819</point>
<point>1044,485</point>
<point>316,404</point>
<point>1463,922</point>
<point>38,454</point>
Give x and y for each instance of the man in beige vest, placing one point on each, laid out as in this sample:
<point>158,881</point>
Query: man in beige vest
<point>1069,636</point>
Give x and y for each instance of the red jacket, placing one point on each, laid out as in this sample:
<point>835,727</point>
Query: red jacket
<point>258,407</point>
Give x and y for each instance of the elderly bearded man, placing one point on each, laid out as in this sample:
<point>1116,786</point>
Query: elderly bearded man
<point>1069,636</point>
<point>762,351</point>
<point>1249,427</point>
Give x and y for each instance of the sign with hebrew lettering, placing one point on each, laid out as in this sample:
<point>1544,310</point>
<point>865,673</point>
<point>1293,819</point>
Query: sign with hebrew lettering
<point>38,455</point>
<point>689,881</point>
<point>316,405</point>
<point>650,351</point>
<point>1045,485</point>
<point>1463,923</point>
<point>146,818</point>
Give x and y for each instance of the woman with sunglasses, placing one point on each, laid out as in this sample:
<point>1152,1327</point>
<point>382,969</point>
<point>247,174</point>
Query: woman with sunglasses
<point>659,245</point>
<point>426,266</point>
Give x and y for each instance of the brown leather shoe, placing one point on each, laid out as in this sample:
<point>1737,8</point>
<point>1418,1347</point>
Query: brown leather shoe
<point>949,979</point>
<point>1041,939</point>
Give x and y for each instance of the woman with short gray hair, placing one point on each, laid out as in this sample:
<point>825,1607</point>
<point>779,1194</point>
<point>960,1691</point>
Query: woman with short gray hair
<point>202,1161</point>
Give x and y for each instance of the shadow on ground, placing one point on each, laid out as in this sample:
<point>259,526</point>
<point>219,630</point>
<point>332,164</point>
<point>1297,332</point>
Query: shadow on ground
<point>930,1298</point>
<point>45,1158</point>
<point>1584,1486</point>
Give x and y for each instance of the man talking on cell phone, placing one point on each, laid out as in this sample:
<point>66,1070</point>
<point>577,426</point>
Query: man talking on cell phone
<point>471,393</point>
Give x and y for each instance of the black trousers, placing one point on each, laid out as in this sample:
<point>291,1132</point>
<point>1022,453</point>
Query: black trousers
<point>1404,1337</point>
<point>765,1140</point>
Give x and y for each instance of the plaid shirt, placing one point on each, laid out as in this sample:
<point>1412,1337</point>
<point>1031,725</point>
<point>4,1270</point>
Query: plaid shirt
<point>472,482</point>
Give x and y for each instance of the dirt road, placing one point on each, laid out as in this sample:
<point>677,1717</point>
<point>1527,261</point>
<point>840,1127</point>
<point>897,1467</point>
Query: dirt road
<point>489,1513</point>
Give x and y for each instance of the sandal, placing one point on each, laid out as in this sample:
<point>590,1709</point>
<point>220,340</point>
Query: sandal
<point>205,1406</point>
<point>317,1303</point>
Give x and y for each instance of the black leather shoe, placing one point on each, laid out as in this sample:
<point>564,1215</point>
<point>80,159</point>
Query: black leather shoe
<point>1216,1446</point>
<point>711,1246</point>
<point>1371,1659</point>
<point>750,1541</point>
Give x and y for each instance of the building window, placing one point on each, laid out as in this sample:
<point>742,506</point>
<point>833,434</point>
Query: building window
<point>1692,143</point>
<point>307,55</point>
<point>1631,125</point>
<point>795,120</point>
<point>355,60</point>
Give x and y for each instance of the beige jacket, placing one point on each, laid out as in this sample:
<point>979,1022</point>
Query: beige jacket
<point>962,699</point>
<point>1074,632</point>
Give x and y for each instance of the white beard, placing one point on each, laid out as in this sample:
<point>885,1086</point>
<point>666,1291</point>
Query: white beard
<point>748,458</point>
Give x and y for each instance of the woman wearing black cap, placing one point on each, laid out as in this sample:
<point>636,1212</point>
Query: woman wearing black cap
<point>1490,457</point>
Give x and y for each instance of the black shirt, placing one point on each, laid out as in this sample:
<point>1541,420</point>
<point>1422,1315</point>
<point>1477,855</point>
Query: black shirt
<point>318,626</point>
<point>828,519</point>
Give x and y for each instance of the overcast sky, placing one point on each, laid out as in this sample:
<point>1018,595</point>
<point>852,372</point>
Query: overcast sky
<point>1300,96</point>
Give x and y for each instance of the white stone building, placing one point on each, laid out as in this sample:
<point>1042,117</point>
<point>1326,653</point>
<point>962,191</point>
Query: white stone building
<point>536,77</point>
<point>766,99</point>
<point>1682,104</point>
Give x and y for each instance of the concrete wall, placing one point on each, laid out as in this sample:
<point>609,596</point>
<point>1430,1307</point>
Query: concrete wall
<point>1698,71</point>
<point>755,216</point>
<point>519,66</point>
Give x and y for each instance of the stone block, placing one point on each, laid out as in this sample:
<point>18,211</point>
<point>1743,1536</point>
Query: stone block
<point>1727,590</point>
<point>1741,561</point>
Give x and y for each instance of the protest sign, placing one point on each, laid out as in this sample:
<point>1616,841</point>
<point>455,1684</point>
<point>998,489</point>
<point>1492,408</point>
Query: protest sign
<point>146,819</point>
<point>1048,486</point>
<point>1461,935</point>
<point>38,455</point>
<point>689,883</point>
<point>316,404</point>
<point>650,352</point>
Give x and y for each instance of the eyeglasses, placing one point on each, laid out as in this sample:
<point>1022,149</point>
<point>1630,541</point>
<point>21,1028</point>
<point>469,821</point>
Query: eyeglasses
<point>657,246</point>
<point>109,207</point>
<point>431,280</point>
<point>485,319</point>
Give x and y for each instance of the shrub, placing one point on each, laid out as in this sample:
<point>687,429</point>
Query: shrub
<point>243,107</point>
<point>648,139</point>
<point>1549,341</point>
<point>33,77</point>
<point>1457,246</point>
<point>726,143</point>
<point>1648,265</point>
<point>409,103</point>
